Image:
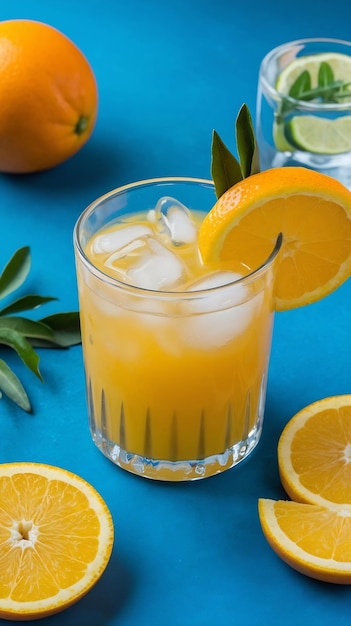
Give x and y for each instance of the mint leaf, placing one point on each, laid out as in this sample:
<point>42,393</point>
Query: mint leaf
<point>326,80</point>
<point>325,75</point>
<point>327,90</point>
<point>302,84</point>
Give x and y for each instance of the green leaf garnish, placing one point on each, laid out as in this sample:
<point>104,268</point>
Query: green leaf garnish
<point>21,334</point>
<point>226,170</point>
<point>325,75</point>
<point>301,86</point>
<point>328,90</point>
<point>246,143</point>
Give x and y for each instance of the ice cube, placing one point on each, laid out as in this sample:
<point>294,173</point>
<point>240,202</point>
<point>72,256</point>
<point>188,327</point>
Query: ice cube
<point>116,239</point>
<point>217,318</point>
<point>146,263</point>
<point>216,279</point>
<point>174,221</point>
<point>218,298</point>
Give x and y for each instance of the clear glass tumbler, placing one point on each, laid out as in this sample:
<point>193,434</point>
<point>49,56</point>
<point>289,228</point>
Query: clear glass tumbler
<point>304,107</point>
<point>176,381</point>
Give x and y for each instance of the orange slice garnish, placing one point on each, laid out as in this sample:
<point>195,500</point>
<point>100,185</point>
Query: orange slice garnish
<point>310,209</point>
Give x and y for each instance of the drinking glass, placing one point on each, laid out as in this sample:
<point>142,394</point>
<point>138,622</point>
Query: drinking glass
<point>301,131</point>
<point>176,381</point>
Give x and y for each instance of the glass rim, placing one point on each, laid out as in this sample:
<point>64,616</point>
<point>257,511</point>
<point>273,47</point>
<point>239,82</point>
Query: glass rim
<point>153,293</point>
<point>302,104</point>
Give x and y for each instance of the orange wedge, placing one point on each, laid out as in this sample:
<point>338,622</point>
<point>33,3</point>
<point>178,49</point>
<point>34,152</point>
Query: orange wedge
<point>56,536</point>
<point>314,453</point>
<point>314,540</point>
<point>311,210</point>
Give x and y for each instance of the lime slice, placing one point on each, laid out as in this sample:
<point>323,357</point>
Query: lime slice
<point>320,135</point>
<point>280,140</point>
<point>339,63</point>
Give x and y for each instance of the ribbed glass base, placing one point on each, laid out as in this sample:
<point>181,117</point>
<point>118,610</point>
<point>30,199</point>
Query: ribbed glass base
<point>194,469</point>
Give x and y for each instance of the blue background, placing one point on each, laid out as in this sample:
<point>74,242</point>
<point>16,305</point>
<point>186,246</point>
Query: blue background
<point>168,73</point>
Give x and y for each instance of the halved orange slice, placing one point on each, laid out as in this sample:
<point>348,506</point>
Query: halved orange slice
<point>310,209</point>
<point>314,453</point>
<point>314,540</point>
<point>56,536</point>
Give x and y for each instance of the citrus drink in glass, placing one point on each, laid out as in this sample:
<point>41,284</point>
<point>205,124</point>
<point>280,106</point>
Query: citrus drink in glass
<point>176,353</point>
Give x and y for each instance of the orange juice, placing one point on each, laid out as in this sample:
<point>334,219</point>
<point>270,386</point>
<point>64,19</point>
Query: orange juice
<point>176,354</point>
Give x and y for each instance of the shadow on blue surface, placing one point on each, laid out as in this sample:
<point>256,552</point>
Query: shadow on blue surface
<point>104,600</point>
<point>94,165</point>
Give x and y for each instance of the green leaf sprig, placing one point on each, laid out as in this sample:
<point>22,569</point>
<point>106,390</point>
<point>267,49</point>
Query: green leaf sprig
<point>226,170</point>
<point>328,90</point>
<point>22,334</point>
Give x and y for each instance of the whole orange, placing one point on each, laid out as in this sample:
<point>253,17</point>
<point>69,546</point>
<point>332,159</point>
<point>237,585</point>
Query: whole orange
<point>48,96</point>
